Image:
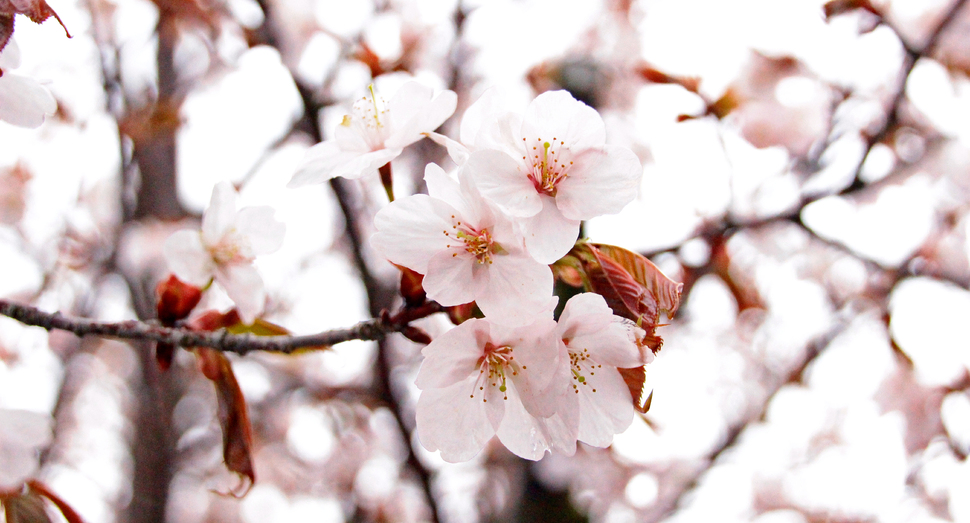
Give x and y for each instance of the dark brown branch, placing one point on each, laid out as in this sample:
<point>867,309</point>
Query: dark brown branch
<point>375,329</point>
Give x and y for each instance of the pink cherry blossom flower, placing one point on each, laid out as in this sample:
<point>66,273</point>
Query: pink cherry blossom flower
<point>551,168</point>
<point>466,250</point>
<point>376,133</point>
<point>23,101</point>
<point>598,342</point>
<point>225,248</point>
<point>481,379</point>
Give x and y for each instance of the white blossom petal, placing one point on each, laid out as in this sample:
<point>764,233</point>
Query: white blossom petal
<point>453,356</point>
<point>188,258</point>
<point>416,109</point>
<point>456,150</point>
<point>605,412</point>
<point>411,230</point>
<point>455,278</point>
<point>584,313</point>
<point>450,421</point>
<point>549,235</point>
<point>518,288</point>
<point>556,115</point>
<point>601,181</point>
<point>220,216</point>
<point>245,287</point>
<point>24,102</point>
<point>260,227</point>
<point>499,178</point>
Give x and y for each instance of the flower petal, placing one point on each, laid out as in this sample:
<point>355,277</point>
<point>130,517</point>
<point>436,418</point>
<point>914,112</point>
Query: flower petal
<point>259,225</point>
<point>453,356</point>
<point>326,160</point>
<point>220,215</point>
<point>188,258</point>
<point>614,345</point>
<point>24,102</point>
<point>584,313</point>
<point>518,288</point>
<point>454,278</point>
<point>458,152</point>
<point>417,109</point>
<point>499,178</point>
<point>244,286</point>
<point>549,235</point>
<point>601,181</point>
<point>411,230</point>
<point>607,411</point>
<point>450,421</point>
<point>557,115</point>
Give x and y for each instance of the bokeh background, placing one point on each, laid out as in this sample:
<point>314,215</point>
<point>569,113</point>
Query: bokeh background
<point>806,175</point>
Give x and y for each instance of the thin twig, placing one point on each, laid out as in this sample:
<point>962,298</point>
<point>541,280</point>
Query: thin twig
<point>222,340</point>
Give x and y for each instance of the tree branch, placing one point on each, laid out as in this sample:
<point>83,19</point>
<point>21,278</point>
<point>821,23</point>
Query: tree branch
<point>375,329</point>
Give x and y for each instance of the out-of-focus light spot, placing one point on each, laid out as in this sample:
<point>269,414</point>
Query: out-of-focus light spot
<point>695,252</point>
<point>796,91</point>
<point>781,516</point>
<point>637,444</point>
<point>253,380</point>
<point>942,98</point>
<point>620,513</point>
<point>343,18</point>
<point>349,83</point>
<point>724,493</point>
<point>318,59</point>
<point>265,503</point>
<point>854,365</point>
<point>887,231</point>
<point>383,36</point>
<point>839,162</point>
<point>927,320</point>
<point>692,174</point>
<point>187,501</point>
<point>909,145</point>
<point>642,490</point>
<point>710,305</point>
<point>879,163</point>
<point>247,12</point>
<point>218,141</point>
<point>310,436</point>
<point>21,273</point>
<point>847,276</point>
<point>80,493</point>
<point>305,509</point>
<point>377,478</point>
<point>432,12</point>
<point>955,413</point>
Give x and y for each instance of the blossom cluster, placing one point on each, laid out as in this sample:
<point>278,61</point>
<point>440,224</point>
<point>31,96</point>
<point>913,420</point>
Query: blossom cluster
<point>487,235</point>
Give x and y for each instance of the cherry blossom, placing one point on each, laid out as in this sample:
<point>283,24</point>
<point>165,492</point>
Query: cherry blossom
<point>466,250</point>
<point>225,248</point>
<point>598,342</point>
<point>23,101</point>
<point>550,168</point>
<point>481,379</point>
<point>376,133</point>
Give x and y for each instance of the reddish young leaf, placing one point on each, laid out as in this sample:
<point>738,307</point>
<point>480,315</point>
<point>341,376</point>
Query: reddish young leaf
<point>237,436</point>
<point>36,10</point>
<point>635,378</point>
<point>69,513</point>
<point>666,291</point>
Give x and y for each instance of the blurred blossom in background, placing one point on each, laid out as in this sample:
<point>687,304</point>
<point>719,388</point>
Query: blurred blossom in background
<point>806,175</point>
